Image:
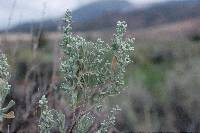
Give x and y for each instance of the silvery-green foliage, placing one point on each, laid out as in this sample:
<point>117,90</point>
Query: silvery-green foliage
<point>50,118</point>
<point>4,88</point>
<point>93,71</point>
<point>46,118</point>
<point>4,73</point>
<point>87,66</point>
<point>84,123</point>
<point>82,65</point>
<point>109,121</point>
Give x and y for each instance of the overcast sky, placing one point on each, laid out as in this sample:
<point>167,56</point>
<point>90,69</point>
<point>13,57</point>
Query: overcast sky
<point>18,11</point>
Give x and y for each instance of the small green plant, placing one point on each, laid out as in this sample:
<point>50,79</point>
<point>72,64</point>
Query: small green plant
<point>92,71</point>
<point>50,118</point>
<point>4,89</point>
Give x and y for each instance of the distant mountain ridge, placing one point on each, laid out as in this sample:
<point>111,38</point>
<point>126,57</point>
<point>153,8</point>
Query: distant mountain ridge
<point>157,14</point>
<point>81,15</point>
<point>104,15</point>
<point>99,8</point>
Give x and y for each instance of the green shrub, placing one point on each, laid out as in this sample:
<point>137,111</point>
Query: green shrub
<point>91,72</point>
<point>4,89</point>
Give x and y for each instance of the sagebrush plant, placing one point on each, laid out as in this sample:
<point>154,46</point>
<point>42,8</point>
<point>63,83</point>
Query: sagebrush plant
<point>92,71</point>
<point>4,89</point>
<point>50,118</point>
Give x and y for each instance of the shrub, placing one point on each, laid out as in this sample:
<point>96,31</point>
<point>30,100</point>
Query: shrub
<point>195,37</point>
<point>4,89</point>
<point>91,72</point>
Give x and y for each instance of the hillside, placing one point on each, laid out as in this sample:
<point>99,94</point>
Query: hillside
<point>104,15</point>
<point>155,15</point>
<point>99,8</point>
<point>83,14</point>
<point>166,32</point>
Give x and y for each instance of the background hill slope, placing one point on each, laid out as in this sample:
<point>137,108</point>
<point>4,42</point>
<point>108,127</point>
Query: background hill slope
<point>104,15</point>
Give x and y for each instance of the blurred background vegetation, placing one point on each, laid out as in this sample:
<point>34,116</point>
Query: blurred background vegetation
<point>163,80</point>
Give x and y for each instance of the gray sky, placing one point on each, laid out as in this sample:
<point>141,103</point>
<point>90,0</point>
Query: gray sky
<point>32,10</point>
